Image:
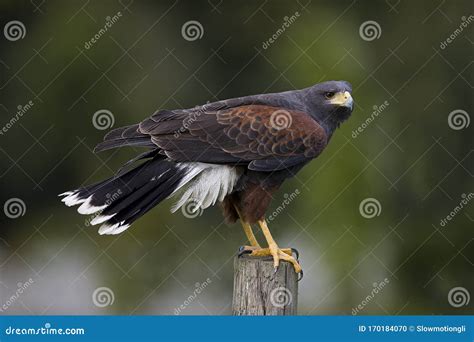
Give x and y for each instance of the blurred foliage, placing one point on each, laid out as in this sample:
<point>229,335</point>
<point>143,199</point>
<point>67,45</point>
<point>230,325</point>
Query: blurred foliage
<point>408,158</point>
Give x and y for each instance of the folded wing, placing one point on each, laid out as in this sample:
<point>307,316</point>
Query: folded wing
<point>265,138</point>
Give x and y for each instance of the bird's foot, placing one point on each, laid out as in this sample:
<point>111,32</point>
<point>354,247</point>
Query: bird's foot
<point>259,251</point>
<point>277,254</point>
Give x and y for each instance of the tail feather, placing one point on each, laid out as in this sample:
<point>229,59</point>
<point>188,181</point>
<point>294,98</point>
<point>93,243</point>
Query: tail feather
<point>125,197</point>
<point>132,210</point>
<point>94,196</point>
<point>144,155</point>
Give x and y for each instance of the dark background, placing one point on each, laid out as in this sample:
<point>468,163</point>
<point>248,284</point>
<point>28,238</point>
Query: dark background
<point>408,158</point>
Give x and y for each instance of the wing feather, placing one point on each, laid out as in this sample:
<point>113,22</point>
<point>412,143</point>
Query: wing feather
<point>252,135</point>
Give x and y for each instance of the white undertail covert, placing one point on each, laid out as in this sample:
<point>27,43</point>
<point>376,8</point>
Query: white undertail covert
<point>206,184</point>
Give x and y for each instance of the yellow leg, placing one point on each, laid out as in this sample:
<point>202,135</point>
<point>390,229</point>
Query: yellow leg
<point>250,235</point>
<point>248,231</point>
<point>277,253</point>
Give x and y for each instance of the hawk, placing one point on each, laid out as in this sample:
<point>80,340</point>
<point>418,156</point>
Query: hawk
<point>235,152</point>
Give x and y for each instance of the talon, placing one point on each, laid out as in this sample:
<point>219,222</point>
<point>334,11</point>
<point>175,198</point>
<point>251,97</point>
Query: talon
<point>244,250</point>
<point>292,260</point>
<point>300,275</point>
<point>295,251</point>
<point>241,253</point>
<point>276,253</point>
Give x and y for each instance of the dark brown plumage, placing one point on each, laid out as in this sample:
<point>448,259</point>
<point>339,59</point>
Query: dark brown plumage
<point>237,152</point>
<point>241,135</point>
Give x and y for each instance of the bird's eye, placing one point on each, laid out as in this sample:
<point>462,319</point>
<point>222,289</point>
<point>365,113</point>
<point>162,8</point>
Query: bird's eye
<point>329,94</point>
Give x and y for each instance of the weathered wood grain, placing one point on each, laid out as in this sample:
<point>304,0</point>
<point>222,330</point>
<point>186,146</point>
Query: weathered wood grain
<point>258,290</point>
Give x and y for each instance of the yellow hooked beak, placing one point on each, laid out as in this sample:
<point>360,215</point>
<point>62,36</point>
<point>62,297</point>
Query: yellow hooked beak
<point>342,99</point>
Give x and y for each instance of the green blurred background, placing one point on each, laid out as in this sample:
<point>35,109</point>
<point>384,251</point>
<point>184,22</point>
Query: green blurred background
<point>408,158</point>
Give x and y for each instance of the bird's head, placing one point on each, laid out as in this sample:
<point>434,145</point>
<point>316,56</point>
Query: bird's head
<point>331,102</point>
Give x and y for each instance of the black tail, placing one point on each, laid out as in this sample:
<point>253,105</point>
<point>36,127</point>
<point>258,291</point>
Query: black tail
<point>122,199</point>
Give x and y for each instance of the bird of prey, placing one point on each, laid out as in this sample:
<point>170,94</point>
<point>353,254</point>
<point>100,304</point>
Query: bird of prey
<point>236,152</point>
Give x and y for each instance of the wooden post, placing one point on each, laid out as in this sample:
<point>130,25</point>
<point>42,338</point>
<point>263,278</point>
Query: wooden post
<point>258,290</point>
